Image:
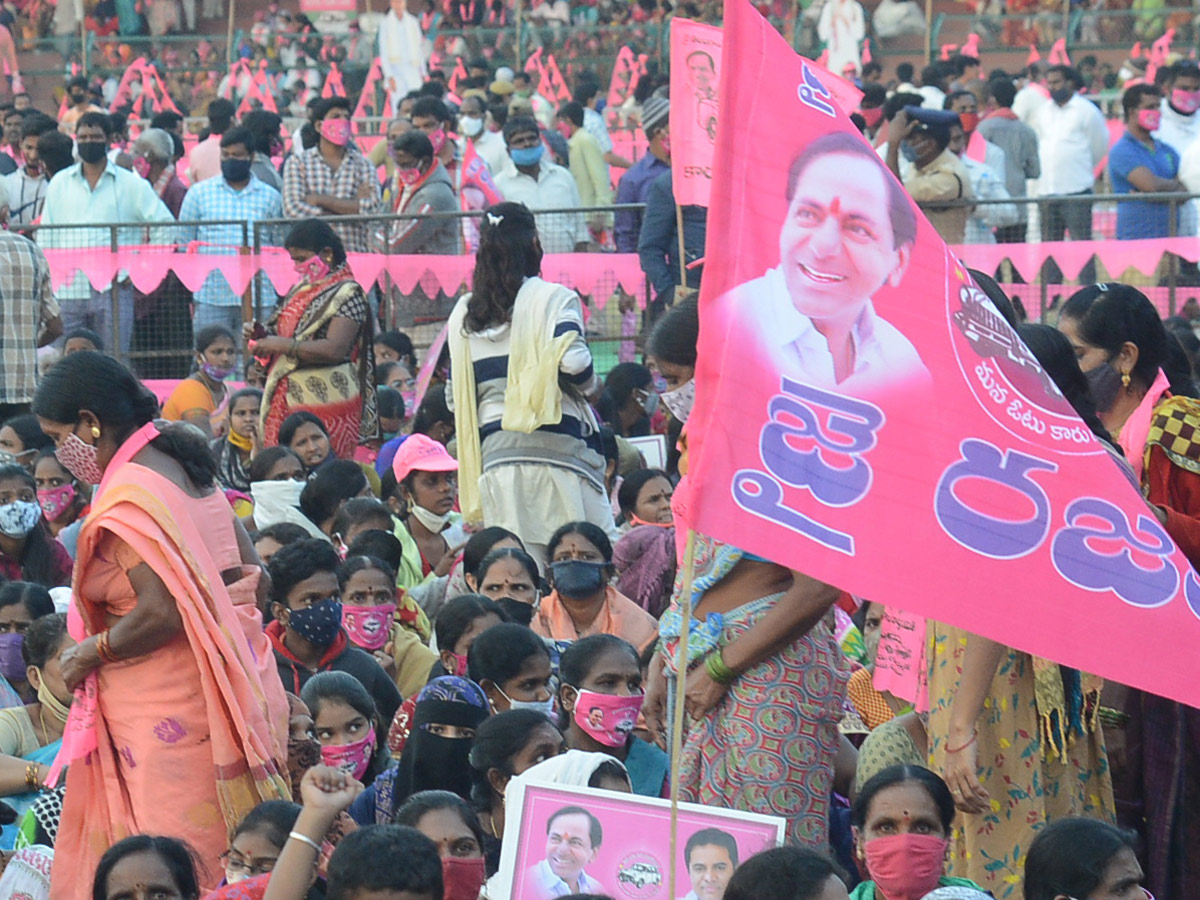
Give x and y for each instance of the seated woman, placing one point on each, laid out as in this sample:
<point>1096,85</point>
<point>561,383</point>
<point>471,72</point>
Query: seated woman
<point>478,545</point>
<point>512,665</point>
<point>328,490</point>
<point>383,546</point>
<point>258,840</point>
<point>505,745</point>
<point>461,621</point>
<point>508,576</point>
<point>431,533</point>
<point>305,435</point>
<point>123,869</point>
<point>64,499</point>
<point>276,482</point>
<point>368,589</point>
<point>30,736</point>
<point>202,399</point>
<point>395,346</point>
<point>391,413</point>
<point>21,604</point>
<point>902,819</point>
<point>270,540</point>
<point>448,821</point>
<point>21,439</point>
<point>628,400</point>
<point>359,515</point>
<point>241,444</point>
<point>600,700</point>
<point>448,711</point>
<point>583,602</point>
<point>1076,857</point>
<point>432,419</point>
<point>27,551</point>
<point>645,555</point>
<point>307,634</point>
<point>347,724</point>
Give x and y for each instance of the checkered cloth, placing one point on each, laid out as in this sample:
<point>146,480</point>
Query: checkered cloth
<point>26,304</point>
<point>1176,428</point>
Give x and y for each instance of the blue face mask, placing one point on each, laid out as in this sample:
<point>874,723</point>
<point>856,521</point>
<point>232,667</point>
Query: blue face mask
<point>318,624</point>
<point>907,151</point>
<point>526,156</point>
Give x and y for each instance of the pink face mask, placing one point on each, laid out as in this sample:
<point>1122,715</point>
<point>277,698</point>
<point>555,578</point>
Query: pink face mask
<point>1149,119</point>
<point>336,131</point>
<point>872,116</point>
<point>607,718</point>
<point>906,866</point>
<point>1187,102</point>
<point>141,165</point>
<point>460,664</point>
<point>56,501</point>
<point>438,139</point>
<point>353,758</point>
<point>79,458</point>
<point>369,627</point>
<point>408,176</point>
<point>314,268</point>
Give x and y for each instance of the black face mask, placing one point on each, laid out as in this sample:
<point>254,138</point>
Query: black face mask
<point>78,99</point>
<point>91,151</point>
<point>521,613</point>
<point>1105,384</point>
<point>235,171</point>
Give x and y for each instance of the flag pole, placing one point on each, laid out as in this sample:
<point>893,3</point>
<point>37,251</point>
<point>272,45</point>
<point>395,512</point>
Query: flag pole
<point>682,247</point>
<point>681,667</point>
<point>229,35</point>
<point>928,30</point>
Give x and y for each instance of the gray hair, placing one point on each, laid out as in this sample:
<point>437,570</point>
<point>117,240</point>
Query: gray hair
<point>156,144</point>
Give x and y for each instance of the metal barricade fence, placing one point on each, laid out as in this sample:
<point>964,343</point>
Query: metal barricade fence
<point>145,312</point>
<point>1041,286</point>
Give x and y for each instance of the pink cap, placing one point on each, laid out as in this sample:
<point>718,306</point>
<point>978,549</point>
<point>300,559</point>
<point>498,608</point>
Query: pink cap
<point>420,453</point>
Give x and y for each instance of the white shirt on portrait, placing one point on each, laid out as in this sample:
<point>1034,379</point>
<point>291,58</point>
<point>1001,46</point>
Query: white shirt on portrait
<point>548,885</point>
<point>883,357</point>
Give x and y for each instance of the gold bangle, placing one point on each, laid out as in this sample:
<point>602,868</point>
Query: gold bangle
<point>32,781</point>
<point>104,648</point>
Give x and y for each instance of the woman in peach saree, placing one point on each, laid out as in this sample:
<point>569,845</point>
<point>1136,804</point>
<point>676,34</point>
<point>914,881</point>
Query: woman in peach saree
<point>179,723</point>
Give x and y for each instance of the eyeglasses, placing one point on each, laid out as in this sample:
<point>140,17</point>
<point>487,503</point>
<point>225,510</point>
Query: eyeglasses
<point>235,865</point>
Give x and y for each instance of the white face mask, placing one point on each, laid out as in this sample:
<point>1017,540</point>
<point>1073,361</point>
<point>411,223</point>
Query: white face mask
<point>470,126</point>
<point>19,518</point>
<point>680,400</point>
<point>273,499</point>
<point>545,707</point>
<point>432,521</point>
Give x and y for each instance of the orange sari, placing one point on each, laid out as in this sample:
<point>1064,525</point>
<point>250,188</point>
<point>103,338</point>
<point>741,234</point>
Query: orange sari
<point>193,735</point>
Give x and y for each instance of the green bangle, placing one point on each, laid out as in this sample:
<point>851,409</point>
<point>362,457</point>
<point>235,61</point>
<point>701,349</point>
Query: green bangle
<point>717,670</point>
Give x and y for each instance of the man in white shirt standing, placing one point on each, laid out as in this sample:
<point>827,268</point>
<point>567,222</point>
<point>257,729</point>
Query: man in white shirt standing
<point>1072,140</point>
<point>530,178</point>
<point>402,54</point>
<point>472,124</point>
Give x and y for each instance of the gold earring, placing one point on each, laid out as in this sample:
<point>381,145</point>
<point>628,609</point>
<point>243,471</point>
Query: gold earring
<point>96,432</point>
<point>1125,380</point>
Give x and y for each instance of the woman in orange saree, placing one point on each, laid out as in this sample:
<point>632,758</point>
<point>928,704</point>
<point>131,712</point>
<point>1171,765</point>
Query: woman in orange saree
<point>179,723</point>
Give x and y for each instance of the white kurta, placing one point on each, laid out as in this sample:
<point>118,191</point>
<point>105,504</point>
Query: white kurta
<point>401,55</point>
<point>842,28</point>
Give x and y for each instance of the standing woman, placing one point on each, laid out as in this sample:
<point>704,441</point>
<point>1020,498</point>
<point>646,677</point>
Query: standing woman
<point>1142,385</point>
<point>179,676</point>
<point>319,340</point>
<point>202,399</point>
<point>761,662</point>
<point>521,373</point>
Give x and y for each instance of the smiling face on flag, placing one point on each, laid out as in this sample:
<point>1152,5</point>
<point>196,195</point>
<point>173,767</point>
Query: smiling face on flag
<point>837,245</point>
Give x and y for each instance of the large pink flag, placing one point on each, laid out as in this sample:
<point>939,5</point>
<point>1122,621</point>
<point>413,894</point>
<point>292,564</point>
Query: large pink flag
<point>865,416</point>
<point>695,75</point>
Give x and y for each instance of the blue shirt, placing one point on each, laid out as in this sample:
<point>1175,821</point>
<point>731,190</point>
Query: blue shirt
<point>119,196</point>
<point>633,188</point>
<point>1141,219</point>
<point>213,200</point>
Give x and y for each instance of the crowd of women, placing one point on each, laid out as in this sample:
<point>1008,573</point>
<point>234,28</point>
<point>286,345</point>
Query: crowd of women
<point>305,638</point>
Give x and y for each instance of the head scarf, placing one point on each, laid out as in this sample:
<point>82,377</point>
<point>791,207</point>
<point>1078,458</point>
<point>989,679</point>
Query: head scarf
<point>27,875</point>
<point>431,762</point>
<point>303,752</point>
<point>574,768</point>
<point>645,561</point>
